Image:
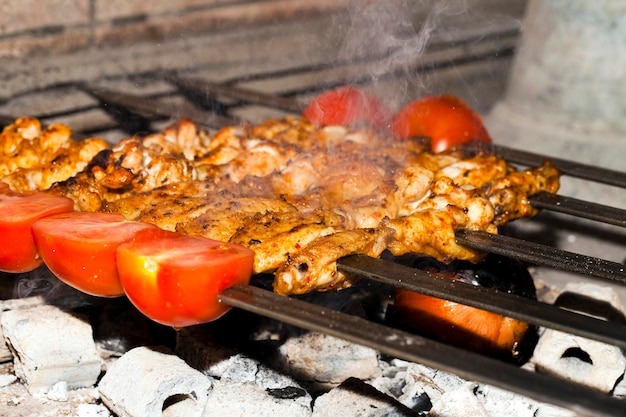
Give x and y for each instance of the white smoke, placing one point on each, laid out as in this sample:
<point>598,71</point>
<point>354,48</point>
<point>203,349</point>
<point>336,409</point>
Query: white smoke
<point>41,282</point>
<point>397,32</point>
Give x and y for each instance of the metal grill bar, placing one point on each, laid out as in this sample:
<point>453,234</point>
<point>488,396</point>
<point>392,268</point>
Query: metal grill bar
<point>146,108</point>
<point>216,90</point>
<point>485,298</point>
<point>579,208</point>
<point>479,44</point>
<point>413,348</point>
<point>502,35</point>
<point>543,255</point>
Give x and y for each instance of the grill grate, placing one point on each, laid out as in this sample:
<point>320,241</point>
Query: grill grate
<point>167,95</point>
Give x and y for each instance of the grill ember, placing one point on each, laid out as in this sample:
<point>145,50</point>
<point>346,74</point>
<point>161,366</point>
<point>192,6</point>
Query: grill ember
<point>301,196</point>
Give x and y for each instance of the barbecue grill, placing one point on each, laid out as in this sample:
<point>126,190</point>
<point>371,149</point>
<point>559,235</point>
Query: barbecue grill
<point>113,106</point>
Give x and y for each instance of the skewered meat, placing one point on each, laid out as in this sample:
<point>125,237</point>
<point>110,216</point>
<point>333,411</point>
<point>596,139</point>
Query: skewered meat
<point>302,196</point>
<point>34,159</point>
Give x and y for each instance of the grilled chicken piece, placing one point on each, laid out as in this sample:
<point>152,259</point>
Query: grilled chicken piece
<point>222,219</point>
<point>475,171</point>
<point>430,228</point>
<point>509,194</point>
<point>276,237</point>
<point>134,166</point>
<point>197,207</point>
<point>34,159</point>
<point>315,266</point>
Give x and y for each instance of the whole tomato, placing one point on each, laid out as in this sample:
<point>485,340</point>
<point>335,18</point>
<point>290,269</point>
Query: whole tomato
<point>446,120</point>
<point>347,106</point>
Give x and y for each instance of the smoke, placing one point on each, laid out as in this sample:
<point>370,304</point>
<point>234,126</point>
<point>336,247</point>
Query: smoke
<point>41,282</point>
<point>397,32</point>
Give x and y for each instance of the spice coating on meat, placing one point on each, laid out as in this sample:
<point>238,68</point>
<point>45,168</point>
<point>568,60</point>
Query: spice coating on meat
<point>32,158</point>
<point>303,196</point>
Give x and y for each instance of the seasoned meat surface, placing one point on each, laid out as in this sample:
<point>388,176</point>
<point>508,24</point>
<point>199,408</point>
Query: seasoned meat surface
<point>32,158</point>
<point>299,195</point>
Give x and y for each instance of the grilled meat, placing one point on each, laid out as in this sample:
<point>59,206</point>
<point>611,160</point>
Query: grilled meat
<point>135,165</point>
<point>32,158</point>
<point>302,196</point>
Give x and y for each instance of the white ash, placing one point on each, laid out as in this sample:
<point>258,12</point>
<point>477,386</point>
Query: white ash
<point>223,360</point>
<point>442,394</point>
<point>327,359</point>
<point>92,410</point>
<point>251,399</point>
<point>146,382</point>
<point>14,304</point>
<point>50,345</point>
<point>16,401</point>
<point>7,380</point>
<point>58,392</point>
<point>578,359</point>
<point>242,369</point>
<point>413,384</point>
<point>356,398</point>
<point>501,402</point>
<point>242,385</point>
<point>460,402</point>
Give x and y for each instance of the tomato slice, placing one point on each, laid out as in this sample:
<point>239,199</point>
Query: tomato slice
<point>18,252</point>
<point>461,325</point>
<point>346,106</point>
<point>175,279</point>
<point>79,248</point>
<point>465,326</point>
<point>446,120</point>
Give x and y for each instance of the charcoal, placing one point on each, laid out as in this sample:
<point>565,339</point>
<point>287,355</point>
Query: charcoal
<point>13,304</point>
<point>596,364</point>
<point>327,359</point>
<point>49,346</point>
<point>148,382</point>
<point>250,399</point>
<point>356,398</point>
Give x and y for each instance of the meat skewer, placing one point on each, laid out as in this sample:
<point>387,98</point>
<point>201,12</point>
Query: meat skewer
<point>365,193</point>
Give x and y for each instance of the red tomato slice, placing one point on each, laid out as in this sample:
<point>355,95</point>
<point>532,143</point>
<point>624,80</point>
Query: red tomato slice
<point>347,106</point>
<point>175,279</point>
<point>446,120</point>
<point>79,248</point>
<point>18,252</point>
<point>459,324</point>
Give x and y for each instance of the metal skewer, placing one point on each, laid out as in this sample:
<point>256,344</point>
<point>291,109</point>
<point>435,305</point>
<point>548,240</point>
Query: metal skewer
<point>543,255</point>
<point>579,208</point>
